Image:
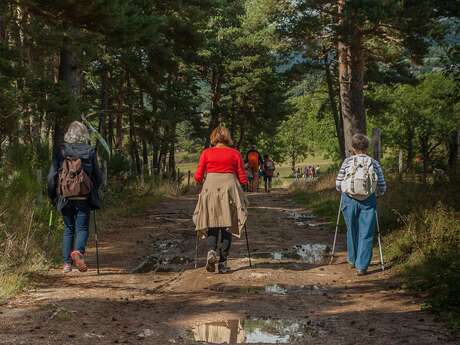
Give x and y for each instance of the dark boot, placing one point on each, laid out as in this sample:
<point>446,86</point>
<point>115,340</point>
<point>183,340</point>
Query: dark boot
<point>223,267</point>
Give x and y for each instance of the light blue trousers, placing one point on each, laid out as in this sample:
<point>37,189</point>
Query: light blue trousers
<point>360,219</point>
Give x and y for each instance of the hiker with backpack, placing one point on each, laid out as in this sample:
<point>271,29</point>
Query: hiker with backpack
<point>360,180</point>
<point>222,204</point>
<point>254,159</point>
<point>269,169</point>
<point>73,182</point>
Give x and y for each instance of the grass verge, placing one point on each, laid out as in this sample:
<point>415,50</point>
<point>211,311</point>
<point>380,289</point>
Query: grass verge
<point>29,244</point>
<point>421,224</point>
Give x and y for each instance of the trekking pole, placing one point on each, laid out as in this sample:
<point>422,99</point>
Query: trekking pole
<point>336,231</point>
<point>247,244</point>
<point>50,225</point>
<point>97,242</point>
<point>379,241</point>
<point>196,250</point>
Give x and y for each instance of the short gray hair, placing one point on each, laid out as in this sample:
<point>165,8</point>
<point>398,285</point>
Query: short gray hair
<point>360,142</point>
<point>77,133</point>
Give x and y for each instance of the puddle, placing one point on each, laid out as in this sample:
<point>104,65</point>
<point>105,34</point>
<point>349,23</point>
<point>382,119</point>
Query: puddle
<point>153,263</point>
<point>312,253</point>
<point>315,253</point>
<point>250,331</point>
<point>276,289</point>
<point>300,216</point>
<point>167,257</point>
<point>272,289</point>
<point>306,219</point>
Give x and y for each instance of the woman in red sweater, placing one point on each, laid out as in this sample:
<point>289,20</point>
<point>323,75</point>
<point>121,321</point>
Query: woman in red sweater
<point>222,205</point>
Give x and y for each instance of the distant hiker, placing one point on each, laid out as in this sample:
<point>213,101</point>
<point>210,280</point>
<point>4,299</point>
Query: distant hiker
<point>269,170</point>
<point>360,178</point>
<point>254,160</point>
<point>305,172</point>
<point>312,171</point>
<point>73,182</point>
<point>222,204</point>
<point>249,175</point>
<point>317,171</point>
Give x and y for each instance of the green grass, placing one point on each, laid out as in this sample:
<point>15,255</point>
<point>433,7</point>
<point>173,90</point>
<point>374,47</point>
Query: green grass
<point>28,245</point>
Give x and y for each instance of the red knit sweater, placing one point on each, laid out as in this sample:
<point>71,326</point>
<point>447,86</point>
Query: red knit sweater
<point>222,160</point>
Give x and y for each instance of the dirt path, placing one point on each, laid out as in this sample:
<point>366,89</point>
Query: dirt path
<point>283,298</point>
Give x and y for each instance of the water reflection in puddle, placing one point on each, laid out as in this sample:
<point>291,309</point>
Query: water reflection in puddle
<point>251,331</point>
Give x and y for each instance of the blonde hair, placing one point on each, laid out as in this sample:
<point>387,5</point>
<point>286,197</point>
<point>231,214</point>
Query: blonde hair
<point>77,133</point>
<point>221,135</point>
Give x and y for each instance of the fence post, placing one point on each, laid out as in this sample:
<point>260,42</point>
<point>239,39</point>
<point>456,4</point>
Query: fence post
<point>189,175</point>
<point>376,144</point>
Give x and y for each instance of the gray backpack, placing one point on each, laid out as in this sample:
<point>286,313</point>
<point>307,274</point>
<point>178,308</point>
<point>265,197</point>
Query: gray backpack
<point>360,180</point>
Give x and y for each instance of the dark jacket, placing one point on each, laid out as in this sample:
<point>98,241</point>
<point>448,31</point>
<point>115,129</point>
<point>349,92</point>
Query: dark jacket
<point>88,156</point>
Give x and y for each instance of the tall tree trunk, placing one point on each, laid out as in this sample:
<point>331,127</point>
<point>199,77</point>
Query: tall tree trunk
<point>335,112</point>
<point>145,156</point>
<point>453,151</point>
<point>2,29</point>
<point>351,74</point>
<point>410,149</point>
<point>172,150</point>
<point>162,156</point>
<point>119,120</point>
<point>105,105</point>
<point>215,100</point>
<point>69,76</point>
<point>133,150</point>
<point>425,150</point>
<point>155,143</point>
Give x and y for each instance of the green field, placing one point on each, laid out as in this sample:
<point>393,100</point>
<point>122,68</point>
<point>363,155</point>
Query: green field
<point>284,168</point>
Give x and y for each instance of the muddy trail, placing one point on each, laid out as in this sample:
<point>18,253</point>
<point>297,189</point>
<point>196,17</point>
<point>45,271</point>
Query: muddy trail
<point>150,293</point>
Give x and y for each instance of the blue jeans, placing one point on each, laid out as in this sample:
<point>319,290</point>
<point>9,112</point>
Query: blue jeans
<point>76,227</point>
<point>360,219</point>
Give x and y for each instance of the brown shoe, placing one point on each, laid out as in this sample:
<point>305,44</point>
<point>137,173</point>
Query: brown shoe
<point>79,261</point>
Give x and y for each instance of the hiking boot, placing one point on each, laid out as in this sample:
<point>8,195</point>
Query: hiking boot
<point>361,272</point>
<point>67,268</point>
<point>211,261</point>
<point>79,260</point>
<point>222,268</point>
<point>351,265</point>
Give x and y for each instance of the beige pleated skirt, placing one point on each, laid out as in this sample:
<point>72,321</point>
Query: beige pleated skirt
<point>221,204</point>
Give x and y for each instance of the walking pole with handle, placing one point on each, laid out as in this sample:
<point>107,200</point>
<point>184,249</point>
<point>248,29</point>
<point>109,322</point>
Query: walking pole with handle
<point>336,231</point>
<point>196,250</point>
<point>48,236</point>
<point>379,241</point>
<point>247,244</point>
<point>97,243</point>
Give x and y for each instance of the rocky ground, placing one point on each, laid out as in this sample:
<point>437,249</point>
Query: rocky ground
<point>149,292</point>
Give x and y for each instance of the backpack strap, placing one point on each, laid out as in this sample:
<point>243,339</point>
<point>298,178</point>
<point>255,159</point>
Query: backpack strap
<point>355,163</point>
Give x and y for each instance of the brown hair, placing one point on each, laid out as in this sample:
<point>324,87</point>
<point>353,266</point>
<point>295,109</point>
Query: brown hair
<point>360,142</point>
<point>221,135</point>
